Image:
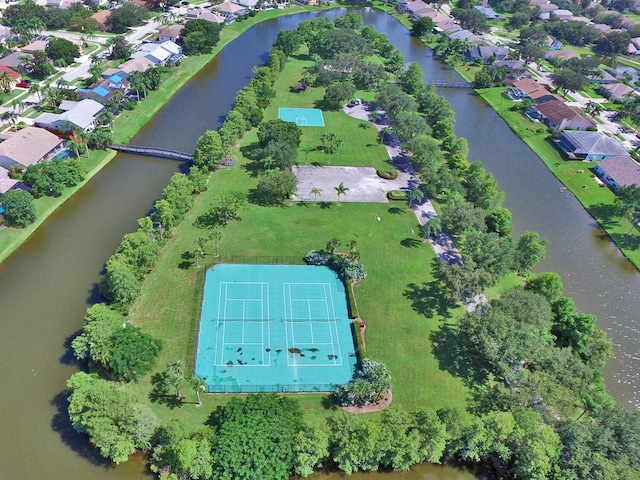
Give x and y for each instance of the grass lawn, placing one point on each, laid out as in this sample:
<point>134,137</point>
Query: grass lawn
<point>400,300</point>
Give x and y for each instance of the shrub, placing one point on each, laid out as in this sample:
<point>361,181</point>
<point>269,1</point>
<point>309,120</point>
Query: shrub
<point>368,385</point>
<point>315,257</point>
<point>397,195</point>
<point>387,174</point>
<point>353,307</point>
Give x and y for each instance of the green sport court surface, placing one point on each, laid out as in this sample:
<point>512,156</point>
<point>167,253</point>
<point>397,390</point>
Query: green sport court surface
<point>303,117</point>
<point>274,328</point>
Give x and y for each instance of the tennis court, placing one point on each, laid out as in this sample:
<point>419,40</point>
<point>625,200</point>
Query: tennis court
<point>303,117</point>
<point>274,328</point>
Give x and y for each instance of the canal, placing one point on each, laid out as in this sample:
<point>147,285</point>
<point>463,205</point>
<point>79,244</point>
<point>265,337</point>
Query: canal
<point>46,285</point>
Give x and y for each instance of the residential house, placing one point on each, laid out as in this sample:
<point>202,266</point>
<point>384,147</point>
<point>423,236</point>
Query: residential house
<point>247,3</point>
<point>80,115</point>
<point>488,12</point>
<point>159,53</point>
<point>602,78</point>
<point>35,46</point>
<point>617,91</point>
<point>487,53</point>
<point>634,46</point>
<point>603,28</point>
<point>29,146</point>
<point>6,182</point>
<point>15,60</point>
<point>15,76</point>
<point>102,18</point>
<point>106,89</point>
<point>464,36</point>
<point>559,55</point>
<point>557,114</point>
<point>204,14</point>
<point>560,14</point>
<point>230,11</point>
<point>619,171</point>
<point>543,95</point>
<point>447,27</point>
<point>628,23</point>
<point>5,32</point>
<point>529,88</point>
<point>547,7</point>
<point>516,68</point>
<point>61,4</point>
<point>140,64</point>
<point>170,33</point>
<point>591,146</point>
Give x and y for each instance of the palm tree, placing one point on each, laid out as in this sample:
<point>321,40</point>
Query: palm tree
<point>108,117</point>
<point>315,191</point>
<point>198,251</point>
<point>216,235</point>
<point>11,116</point>
<point>75,145</point>
<point>340,190</point>
<point>6,82</point>
<point>199,385</point>
<point>174,376</point>
<point>35,88</point>
<point>351,244</point>
<point>332,245</point>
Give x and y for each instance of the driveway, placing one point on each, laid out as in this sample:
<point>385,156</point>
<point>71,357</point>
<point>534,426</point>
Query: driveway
<point>363,183</point>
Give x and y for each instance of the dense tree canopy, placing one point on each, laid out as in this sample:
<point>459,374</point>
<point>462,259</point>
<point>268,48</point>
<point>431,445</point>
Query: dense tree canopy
<point>62,49</point>
<point>127,15</point>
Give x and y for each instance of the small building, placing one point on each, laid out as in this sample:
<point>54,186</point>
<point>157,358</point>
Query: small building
<point>620,171</point>
<point>559,55</point>
<point>447,27</point>
<point>617,91</point>
<point>28,146</point>
<point>530,88</point>
<point>560,13</point>
<point>170,33</point>
<point>230,11</point>
<point>487,53</point>
<point>6,182</point>
<point>35,46</point>
<point>15,60</point>
<point>592,146</point>
<point>102,18</point>
<point>488,12</point>
<point>516,68</point>
<point>557,114</point>
<point>204,14</point>
<point>602,78</point>
<point>80,115</point>
<point>159,53</point>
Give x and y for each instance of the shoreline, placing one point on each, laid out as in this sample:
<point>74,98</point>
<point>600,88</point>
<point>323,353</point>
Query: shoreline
<point>563,169</point>
<point>129,123</point>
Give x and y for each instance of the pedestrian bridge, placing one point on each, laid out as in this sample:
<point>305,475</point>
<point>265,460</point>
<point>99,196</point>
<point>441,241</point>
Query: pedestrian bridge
<point>452,85</point>
<point>154,152</point>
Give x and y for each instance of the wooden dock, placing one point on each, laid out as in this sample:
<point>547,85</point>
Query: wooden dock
<point>154,152</point>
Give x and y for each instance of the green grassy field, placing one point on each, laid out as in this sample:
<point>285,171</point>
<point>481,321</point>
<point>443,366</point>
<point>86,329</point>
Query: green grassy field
<point>400,300</point>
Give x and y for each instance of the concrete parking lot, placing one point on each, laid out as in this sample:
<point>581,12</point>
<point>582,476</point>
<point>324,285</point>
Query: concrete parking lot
<point>363,183</point>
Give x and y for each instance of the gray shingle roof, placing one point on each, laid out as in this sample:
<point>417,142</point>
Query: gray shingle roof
<point>594,143</point>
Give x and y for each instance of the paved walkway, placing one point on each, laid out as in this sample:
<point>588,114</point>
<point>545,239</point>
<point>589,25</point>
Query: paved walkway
<point>424,211</point>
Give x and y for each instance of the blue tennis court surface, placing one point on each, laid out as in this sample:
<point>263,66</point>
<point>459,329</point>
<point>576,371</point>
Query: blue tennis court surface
<point>274,328</point>
<point>303,117</point>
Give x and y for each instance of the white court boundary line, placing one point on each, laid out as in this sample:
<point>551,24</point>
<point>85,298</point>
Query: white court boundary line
<point>333,327</point>
<point>224,300</point>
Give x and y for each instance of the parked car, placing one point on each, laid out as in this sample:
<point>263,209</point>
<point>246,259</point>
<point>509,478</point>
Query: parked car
<point>24,84</point>
<point>354,102</point>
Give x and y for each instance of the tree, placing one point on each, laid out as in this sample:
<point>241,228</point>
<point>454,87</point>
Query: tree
<point>337,93</point>
<point>6,82</point>
<point>613,43</point>
<point>134,353</point>
<point>114,424</point>
<point>119,48</point>
<point>355,442</point>
<point>197,250</point>
<point>310,448</point>
<point>332,245</point>
<point>19,208</point>
<point>340,190</point>
<point>179,194</point>
<point>208,151</point>
<point>471,19</point>
<point>199,385</point>
<point>410,125</point>
<point>173,377</point>
<point>95,342</point>
<point>421,27</point>
<point>275,186</point>
<point>119,284</point>
<point>569,80</point>
<point>315,191</point>
<point>530,251</point>
<point>127,15</point>
<point>288,41</point>
<point>547,284</point>
<point>216,235</point>
<point>413,79</point>
<point>225,208</point>
<point>200,36</point>
<point>330,143</point>
<point>279,132</point>
<point>62,49</point>
<point>255,437</point>
<point>499,221</point>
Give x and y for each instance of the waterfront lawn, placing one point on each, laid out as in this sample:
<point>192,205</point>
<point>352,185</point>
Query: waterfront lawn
<point>360,147</point>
